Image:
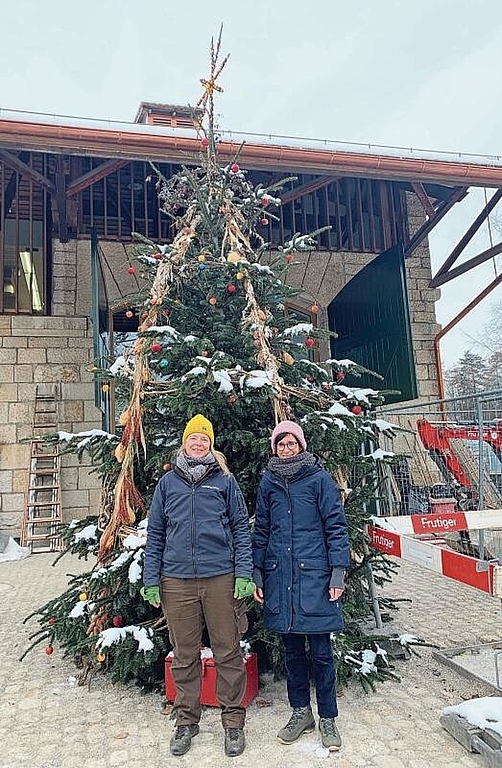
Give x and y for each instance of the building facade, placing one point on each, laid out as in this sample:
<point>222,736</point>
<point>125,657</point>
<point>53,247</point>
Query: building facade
<point>62,181</point>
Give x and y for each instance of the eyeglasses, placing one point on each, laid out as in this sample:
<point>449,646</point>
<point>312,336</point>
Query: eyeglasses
<point>290,446</point>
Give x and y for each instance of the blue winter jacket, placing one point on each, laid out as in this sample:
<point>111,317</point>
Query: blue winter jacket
<point>197,530</point>
<point>300,534</point>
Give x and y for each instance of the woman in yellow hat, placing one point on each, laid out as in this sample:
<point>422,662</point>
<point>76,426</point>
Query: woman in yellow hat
<point>198,565</point>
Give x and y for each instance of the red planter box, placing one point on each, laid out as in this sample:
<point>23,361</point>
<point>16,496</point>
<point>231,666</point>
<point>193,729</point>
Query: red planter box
<point>208,690</point>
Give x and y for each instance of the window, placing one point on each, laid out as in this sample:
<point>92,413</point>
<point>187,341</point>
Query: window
<point>23,209</point>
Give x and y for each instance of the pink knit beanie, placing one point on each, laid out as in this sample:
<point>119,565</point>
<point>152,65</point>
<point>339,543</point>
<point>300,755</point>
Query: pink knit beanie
<point>288,428</point>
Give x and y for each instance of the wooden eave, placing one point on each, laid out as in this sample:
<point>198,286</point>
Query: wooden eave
<point>170,147</point>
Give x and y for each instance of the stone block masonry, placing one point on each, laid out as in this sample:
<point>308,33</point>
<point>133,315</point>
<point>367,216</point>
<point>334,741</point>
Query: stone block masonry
<point>36,350</point>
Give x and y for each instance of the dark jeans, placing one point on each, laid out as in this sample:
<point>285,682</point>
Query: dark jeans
<point>323,669</point>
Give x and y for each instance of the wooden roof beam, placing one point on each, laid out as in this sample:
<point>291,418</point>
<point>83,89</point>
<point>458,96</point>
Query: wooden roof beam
<point>13,161</point>
<point>429,225</point>
<point>308,188</point>
<point>94,175</point>
<point>61,200</point>
<point>443,269</point>
<point>422,195</point>
<point>466,266</point>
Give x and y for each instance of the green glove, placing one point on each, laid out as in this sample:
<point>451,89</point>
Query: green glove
<point>150,594</point>
<point>243,588</point>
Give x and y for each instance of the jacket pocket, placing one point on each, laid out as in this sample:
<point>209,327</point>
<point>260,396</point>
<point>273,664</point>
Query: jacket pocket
<point>271,586</point>
<point>314,586</point>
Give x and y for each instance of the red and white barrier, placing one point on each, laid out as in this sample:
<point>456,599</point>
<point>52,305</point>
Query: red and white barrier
<point>403,537</point>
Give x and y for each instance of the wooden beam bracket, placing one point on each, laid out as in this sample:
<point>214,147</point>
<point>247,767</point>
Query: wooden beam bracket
<point>15,162</point>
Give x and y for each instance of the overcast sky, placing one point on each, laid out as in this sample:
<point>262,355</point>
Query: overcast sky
<point>413,73</point>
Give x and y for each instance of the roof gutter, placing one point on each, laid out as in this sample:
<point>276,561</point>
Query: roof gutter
<point>106,143</point>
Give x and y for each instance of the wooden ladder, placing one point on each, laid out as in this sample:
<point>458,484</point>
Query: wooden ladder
<point>42,503</point>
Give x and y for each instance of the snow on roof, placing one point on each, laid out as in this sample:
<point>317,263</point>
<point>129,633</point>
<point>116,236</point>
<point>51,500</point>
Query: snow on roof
<point>307,143</point>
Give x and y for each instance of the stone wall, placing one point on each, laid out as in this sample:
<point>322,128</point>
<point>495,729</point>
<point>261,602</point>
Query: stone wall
<point>39,350</point>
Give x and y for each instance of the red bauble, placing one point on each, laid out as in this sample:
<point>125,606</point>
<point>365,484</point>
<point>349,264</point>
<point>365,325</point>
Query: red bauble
<point>356,410</point>
<point>117,621</point>
<point>129,313</point>
<point>204,143</point>
<point>340,376</point>
<point>52,620</point>
<point>310,378</point>
<point>130,270</point>
<point>155,347</point>
<point>309,342</point>
<point>315,307</point>
<point>326,385</point>
<point>231,288</point>
<point>264,221</point>
<point>234,168</point>
<point>166,467</point>
<point>232,398</point>
<point>289,258</point>
<point>49,650</point>
<point>157,256</point>
<point>265,201</point>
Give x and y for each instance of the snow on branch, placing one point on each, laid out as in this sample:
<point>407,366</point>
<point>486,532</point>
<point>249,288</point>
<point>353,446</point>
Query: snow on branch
<point>115,635</point>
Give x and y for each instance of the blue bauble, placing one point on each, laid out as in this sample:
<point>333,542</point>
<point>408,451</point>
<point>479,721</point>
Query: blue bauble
<point>164,363</point>
<point>202,266</point>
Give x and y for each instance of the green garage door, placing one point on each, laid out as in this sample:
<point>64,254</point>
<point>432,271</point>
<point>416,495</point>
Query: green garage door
<point>372,319</point>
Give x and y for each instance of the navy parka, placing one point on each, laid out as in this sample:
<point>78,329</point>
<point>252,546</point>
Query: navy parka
<point>197,530</point>
<point>300,534</point>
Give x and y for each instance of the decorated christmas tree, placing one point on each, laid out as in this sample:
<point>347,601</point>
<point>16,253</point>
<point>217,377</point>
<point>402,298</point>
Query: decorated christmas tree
<point>215,338</point>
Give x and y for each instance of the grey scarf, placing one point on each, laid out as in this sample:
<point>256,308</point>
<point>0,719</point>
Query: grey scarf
<point>286,469</point>
<point>194,468</point>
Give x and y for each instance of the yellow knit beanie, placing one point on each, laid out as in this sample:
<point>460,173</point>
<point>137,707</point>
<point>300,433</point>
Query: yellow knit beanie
<point>199,424</point>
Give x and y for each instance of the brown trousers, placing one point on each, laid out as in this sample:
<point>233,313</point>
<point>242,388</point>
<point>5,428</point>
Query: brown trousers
<point>186,603</point>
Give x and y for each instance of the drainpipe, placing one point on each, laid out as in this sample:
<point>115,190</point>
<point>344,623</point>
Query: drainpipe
<point>439,335</point>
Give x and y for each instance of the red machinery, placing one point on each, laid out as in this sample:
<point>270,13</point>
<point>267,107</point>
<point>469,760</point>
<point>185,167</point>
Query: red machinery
<point>436,439</point>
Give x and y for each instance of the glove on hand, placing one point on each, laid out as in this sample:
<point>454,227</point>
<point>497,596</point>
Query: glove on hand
<point>243,587</point>
<point>151,595</point>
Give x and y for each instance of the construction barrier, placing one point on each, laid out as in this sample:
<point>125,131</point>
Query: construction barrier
<point>417,539</point>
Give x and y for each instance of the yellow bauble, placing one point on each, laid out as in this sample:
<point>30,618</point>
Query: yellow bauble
<point>234,256</point>
<point>82,596</point>
<point>239,276</point>
<point>201,257</point>
<point>105,388</point>
<point>100,657</point>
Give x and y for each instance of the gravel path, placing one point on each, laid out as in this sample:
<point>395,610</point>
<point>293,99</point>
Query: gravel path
<point>47,723</point>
